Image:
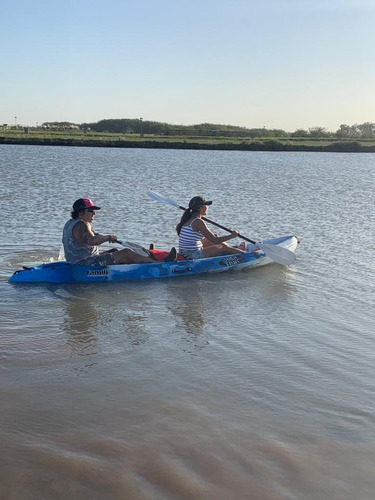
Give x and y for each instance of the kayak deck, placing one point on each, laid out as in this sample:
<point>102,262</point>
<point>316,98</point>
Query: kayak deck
<point>62,272</point>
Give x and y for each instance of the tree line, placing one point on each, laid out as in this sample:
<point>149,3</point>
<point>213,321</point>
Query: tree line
<point>138,126</point>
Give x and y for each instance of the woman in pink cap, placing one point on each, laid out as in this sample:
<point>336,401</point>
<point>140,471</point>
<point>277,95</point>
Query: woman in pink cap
<point>81,243</point>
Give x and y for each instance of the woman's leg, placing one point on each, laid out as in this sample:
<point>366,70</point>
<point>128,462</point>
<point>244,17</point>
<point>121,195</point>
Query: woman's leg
<point>128,256</point>
<point>223,249</point>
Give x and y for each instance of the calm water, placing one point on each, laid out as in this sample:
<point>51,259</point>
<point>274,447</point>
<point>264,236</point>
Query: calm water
<point>251,385</point>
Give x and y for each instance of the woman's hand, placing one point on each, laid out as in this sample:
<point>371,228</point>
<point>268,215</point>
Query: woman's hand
<point>112,238</point>
<point>234,234</point>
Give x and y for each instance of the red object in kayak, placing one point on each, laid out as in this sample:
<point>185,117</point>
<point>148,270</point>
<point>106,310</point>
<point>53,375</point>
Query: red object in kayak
<point>160,255</point>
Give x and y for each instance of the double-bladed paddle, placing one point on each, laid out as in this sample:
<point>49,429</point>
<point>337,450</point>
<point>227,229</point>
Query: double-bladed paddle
<point>139,249</point>
<point>277,254</point>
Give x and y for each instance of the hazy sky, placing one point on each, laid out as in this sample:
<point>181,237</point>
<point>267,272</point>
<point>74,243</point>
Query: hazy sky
<point>275,63</point>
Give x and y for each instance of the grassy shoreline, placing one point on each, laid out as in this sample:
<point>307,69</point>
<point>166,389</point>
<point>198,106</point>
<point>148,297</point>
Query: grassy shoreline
<point>111,140</point>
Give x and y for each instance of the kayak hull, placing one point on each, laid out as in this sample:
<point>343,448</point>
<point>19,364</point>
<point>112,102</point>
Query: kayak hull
<point>61,272</point>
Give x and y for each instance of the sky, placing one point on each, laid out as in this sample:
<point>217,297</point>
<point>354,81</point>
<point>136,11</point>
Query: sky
<point>285,64</point>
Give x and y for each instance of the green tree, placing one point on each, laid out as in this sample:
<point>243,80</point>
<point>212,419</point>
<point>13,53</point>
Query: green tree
<point>367,130</point>
<point>300,132</point>
<point>318,132</point>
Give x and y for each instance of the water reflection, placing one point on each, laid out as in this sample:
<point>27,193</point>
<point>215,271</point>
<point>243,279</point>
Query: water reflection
<point>134,327</point>
<point>96,316</point>
<point>80,323</point>
<point>188,307</point>
<point>123,315</point>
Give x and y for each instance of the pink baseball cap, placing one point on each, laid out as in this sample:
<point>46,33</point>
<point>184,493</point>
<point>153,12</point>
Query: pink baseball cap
<point>82,204</point>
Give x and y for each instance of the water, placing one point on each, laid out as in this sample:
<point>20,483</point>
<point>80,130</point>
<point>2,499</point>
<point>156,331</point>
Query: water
<point>257,384</point>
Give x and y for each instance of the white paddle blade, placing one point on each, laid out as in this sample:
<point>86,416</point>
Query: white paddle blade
<point>139,249</point>
<point>61,255</point>
<point>163,199</point>
<point>278,254</point>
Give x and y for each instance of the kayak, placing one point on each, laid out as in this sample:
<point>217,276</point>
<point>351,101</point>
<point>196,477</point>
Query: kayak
<point>62,272</point>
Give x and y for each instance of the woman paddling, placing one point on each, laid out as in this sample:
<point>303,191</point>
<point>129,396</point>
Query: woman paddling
<point>196,241</point>
<point>81,243</point>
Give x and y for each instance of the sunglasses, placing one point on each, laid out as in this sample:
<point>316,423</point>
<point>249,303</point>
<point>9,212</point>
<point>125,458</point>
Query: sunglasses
<point>91,209</point>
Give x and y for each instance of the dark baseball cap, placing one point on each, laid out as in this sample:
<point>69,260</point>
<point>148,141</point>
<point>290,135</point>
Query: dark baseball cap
<point>82,204</point>
<point>197,202</point>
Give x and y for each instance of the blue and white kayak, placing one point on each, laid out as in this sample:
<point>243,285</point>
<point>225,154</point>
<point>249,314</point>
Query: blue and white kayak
<point>62,272</point>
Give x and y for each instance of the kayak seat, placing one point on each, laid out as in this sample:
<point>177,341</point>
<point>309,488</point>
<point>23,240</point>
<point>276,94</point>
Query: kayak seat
<point>161,255</point>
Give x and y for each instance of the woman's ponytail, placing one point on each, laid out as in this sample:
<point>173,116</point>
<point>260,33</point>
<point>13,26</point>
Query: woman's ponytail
<point>185,217</point>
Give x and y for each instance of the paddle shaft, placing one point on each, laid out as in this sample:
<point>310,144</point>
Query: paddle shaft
<point>222,227</point>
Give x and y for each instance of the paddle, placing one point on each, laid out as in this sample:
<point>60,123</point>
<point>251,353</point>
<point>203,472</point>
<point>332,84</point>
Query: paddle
<point>278,254</point>
<point>135,247</point>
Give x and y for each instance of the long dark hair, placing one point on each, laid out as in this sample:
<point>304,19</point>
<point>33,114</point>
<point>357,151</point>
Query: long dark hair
<point>185,217</point>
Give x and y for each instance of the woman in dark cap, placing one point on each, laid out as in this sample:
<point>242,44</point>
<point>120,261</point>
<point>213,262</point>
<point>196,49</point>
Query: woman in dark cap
<point>196,241</point>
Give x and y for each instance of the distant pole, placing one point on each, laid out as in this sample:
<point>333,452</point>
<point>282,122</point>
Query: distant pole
<point>15,121</point>
<point>141,127</point>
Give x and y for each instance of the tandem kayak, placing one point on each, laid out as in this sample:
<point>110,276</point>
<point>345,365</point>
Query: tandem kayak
<point>62,272</point>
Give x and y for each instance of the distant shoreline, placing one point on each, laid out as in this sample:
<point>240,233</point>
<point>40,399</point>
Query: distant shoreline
<point>180,143</point>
